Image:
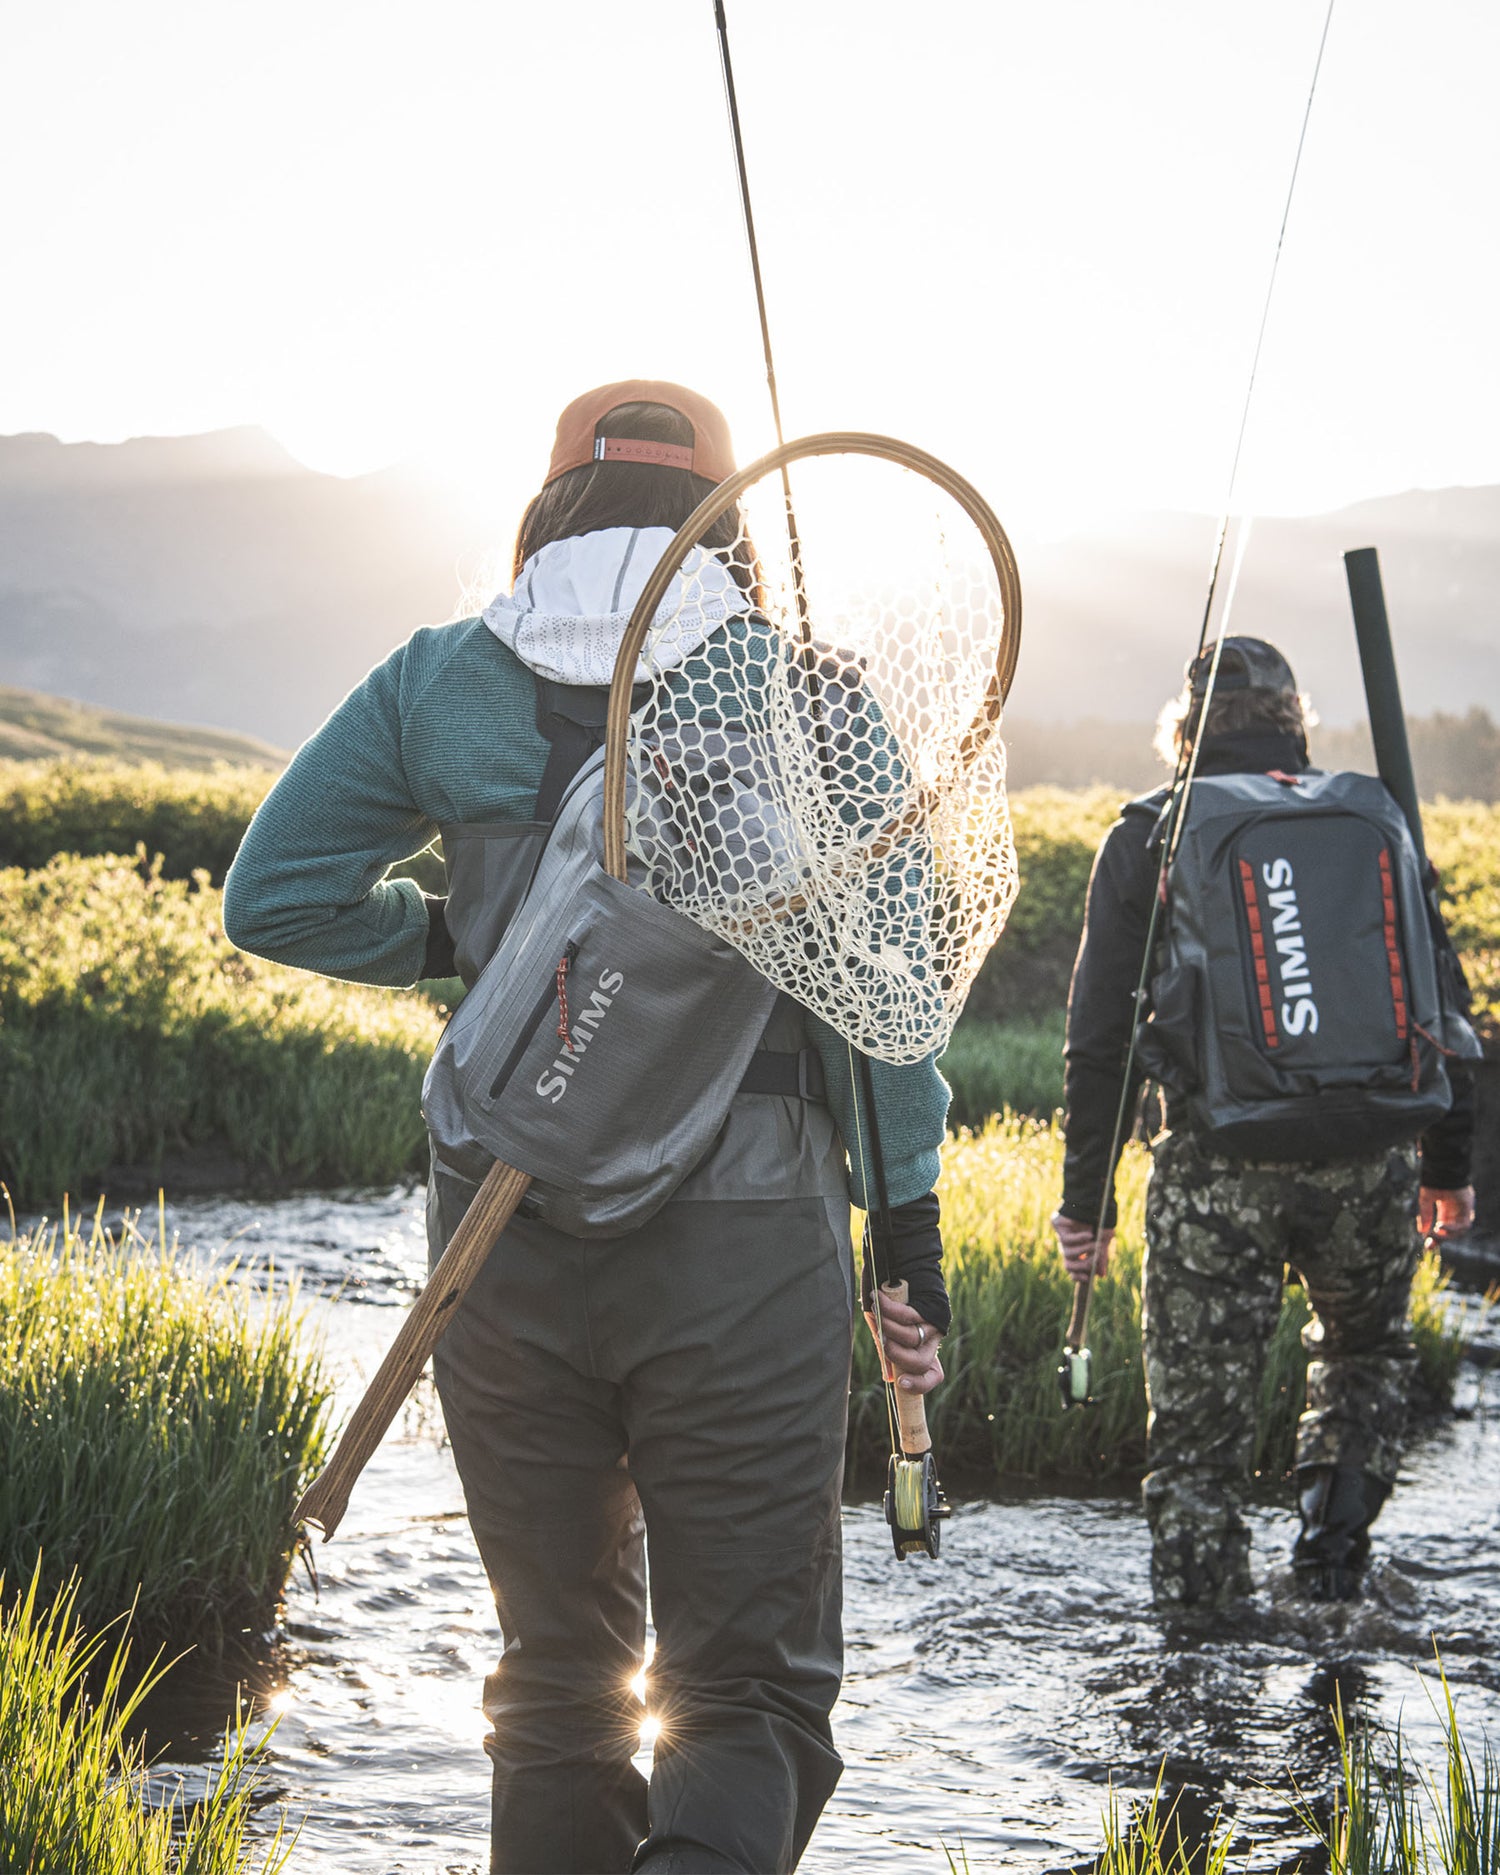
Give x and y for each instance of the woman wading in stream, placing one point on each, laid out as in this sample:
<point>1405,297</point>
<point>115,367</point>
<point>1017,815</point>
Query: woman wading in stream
<point>673,1398</point>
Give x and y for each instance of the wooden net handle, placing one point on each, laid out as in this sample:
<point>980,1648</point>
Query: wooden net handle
<point>326,1499</point>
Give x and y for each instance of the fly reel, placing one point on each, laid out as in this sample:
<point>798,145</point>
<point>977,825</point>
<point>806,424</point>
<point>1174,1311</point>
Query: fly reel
<point>914,1505</point>
<point>1075,1371</point>
<point>1075,1377</point>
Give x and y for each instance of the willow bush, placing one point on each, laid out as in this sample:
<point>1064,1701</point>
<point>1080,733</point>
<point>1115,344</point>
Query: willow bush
<point>193,817</point>
<point>1462,839</point>
<point>999,1410</point>
<point>1057,833</point>
<point>72,1772</point>
<point>156,1425</point>
<point>131,1028</point>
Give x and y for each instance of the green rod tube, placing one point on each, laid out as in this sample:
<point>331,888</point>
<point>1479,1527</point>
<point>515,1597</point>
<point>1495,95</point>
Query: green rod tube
<point>1377,661</point>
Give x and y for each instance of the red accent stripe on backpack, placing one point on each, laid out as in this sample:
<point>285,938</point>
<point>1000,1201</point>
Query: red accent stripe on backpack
<point>1392,950</point>
<point>1258,953</point>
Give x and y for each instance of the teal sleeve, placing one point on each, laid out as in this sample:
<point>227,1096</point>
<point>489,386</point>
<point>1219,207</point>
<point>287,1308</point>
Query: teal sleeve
<point>911,1109</point>
<point>308,886</point>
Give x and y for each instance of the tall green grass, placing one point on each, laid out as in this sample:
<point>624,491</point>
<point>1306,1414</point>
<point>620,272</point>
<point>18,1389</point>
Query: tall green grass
<point>72,1778</point>
<point>994,1065</point>
<point>131,1029</point>
<point>156,1424</point>
<point>1388,1816</point>
<point>999,1410</point>
<point>1391,1817</point>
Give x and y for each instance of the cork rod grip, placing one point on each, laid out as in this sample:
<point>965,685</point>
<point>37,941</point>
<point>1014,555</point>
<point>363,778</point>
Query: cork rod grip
<point>326,1499</point>
<point>1078,1320</point>
<point>911,1408</point>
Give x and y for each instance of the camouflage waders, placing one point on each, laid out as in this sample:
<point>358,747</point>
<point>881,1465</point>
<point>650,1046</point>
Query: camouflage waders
<point>1218,1234</point>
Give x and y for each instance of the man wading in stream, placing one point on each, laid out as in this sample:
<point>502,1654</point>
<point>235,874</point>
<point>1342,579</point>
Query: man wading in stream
<point>685,1383</point>
<point>1221,1225</point>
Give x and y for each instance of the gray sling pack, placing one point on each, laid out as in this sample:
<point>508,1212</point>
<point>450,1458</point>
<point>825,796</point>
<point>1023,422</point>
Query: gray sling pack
<point>1301,1006</point>
<point>601,1045</point>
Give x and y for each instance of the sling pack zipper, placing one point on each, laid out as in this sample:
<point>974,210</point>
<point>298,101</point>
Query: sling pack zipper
<point>533,1023</point>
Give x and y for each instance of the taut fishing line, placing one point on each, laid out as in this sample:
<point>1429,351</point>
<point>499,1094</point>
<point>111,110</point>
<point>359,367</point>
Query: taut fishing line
<point>1186,766</point>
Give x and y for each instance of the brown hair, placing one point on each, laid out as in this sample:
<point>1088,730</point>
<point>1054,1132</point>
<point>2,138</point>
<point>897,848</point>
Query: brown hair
<point>1231,712</point>
<point>631,494</point>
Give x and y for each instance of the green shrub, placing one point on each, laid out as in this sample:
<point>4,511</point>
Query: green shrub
<point>130,1028</point>
<point>194,818</point>
<point>1057,834</point>
<point>1462,839</point>
<point>994,1065</point>
<point>155,1427</point>
<point>71,1778</point>
<point>999,1410</point>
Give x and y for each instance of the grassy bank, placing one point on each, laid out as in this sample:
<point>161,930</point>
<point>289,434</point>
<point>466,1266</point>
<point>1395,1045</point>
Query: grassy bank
<point>155,1426</point>
<point>1388,1815</point>
<point>71,1780</point>
<point>194,818</point>
<point>131,1030</point>
<point>999,1409</point>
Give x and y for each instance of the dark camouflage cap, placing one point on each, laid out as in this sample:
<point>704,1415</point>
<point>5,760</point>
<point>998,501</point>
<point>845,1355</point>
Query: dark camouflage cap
<point>1244,664</point>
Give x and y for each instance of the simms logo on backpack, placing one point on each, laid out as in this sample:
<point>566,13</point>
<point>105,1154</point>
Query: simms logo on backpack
<point>1297,1004</point>
<point>1299,1013</point>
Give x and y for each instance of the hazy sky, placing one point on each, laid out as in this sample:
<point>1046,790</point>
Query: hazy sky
<point>1032,237</point>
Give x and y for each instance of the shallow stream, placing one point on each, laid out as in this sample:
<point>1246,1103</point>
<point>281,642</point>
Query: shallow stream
<point>992,1698</point>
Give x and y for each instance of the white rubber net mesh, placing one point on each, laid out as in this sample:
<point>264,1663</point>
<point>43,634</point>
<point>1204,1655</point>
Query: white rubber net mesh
<point>820,780</point>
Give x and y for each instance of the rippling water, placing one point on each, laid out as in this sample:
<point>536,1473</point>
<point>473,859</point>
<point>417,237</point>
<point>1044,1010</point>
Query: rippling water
<point>991,1698</point>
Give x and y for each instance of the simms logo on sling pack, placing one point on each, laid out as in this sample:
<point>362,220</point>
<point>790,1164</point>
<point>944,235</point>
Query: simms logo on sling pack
<point>554,1084</point>
<point>1299,1013</point>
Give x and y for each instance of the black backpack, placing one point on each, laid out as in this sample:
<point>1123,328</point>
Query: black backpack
<point>1304,994</point>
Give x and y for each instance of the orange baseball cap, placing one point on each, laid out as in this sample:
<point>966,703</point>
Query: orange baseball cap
<point>711,453</point>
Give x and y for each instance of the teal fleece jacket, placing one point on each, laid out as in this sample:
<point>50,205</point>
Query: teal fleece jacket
<point>445,731</point>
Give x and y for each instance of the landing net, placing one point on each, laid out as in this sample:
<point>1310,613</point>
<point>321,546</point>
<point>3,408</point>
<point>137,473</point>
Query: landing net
<point>813,765</point>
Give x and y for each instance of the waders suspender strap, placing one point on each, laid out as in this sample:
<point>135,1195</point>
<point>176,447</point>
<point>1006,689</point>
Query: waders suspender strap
<point>1075,1372</point>
<point>572,717</point>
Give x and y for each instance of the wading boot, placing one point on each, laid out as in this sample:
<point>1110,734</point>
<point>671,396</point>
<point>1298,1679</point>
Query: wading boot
<point>1338,1505</point>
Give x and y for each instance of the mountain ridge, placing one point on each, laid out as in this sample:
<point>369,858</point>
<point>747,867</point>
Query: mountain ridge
<point>214,579</point>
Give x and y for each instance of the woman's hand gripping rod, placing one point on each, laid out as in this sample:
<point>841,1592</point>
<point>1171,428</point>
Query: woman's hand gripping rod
<point>914,1502</point>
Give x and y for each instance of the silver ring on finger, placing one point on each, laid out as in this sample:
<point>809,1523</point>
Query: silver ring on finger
<point>921,1337</point>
